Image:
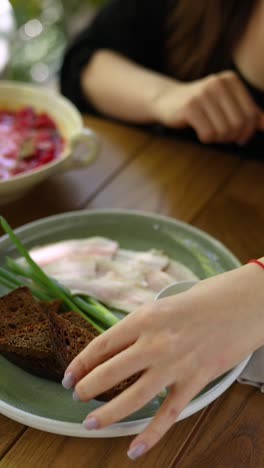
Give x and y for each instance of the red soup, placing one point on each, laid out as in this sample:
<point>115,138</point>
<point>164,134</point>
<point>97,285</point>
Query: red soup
<point>28,140</point>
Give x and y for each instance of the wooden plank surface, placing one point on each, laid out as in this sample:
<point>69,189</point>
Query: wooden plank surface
<point>171,177</point>
<point>236,214</point>
<point>70,190</point>
<point>10,431</point>
<point>36,449</point>
<point>231,435</point>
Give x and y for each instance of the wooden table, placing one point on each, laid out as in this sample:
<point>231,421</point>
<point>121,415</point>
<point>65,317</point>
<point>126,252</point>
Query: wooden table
<point>216,191</point>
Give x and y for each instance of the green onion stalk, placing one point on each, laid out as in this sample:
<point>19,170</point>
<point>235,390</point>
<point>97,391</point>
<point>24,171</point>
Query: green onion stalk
<point>45,288</point>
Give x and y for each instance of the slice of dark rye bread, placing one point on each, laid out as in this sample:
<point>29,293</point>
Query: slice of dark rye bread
<point>70,338</point>
<point>31,346</point>
<point>25,333</point>
<point>70,334</point>
<point>19,308</point>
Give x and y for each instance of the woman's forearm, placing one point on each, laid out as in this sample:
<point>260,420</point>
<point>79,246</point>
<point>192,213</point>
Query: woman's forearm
<point>120,88</point>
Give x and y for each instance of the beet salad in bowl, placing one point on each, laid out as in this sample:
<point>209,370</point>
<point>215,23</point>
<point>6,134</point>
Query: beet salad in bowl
<point>41,133</point>
<point>28,140</point>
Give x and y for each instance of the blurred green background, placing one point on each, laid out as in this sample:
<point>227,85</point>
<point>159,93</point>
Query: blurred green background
<point>34,34</point>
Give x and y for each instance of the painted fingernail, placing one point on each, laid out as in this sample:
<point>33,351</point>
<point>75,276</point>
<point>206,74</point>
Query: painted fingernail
<point>163,393</point>
<point>90,423</point>
<point>75,396</point>
<point>68,381</point>
<point>136,451</point>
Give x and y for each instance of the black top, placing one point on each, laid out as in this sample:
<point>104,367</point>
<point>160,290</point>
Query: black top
<point>133,28</point>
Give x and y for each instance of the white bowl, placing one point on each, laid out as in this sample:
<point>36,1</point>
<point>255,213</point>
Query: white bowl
<point>81,144</point>
<point>176,288</point>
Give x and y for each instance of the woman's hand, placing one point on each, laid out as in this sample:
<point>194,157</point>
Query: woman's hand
<point>218,107</point>
<point>182,342</point>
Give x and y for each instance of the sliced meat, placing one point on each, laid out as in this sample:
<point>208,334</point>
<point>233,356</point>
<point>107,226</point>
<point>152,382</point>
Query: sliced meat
<point>84,267</point>
<point>113,291</point>
<point>120,278</point>
<point>74,249</point>
<point>153,259</point>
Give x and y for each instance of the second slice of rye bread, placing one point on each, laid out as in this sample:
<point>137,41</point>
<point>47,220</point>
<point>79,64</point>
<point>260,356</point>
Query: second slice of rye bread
<point>70,336</point>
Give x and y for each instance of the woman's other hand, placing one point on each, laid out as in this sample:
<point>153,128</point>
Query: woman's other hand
<point>182,343</point>
<point>219,108</point>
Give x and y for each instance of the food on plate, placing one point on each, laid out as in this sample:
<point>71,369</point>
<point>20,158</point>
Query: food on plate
<point>98,267</point>
<point>45,288</point>
<point>42,341</point>
<point>53,312</point>
<point>28,140</point>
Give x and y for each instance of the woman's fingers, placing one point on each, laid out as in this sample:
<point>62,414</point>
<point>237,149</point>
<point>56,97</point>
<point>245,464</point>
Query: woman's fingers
<point>198,119</point>
<point>239,106</point>
<point>221,109</point>
<point>238,110</point>
<point>178,398</point>
<point>110,373</point>
<point>233,116</point>
<point>239,91</point>
<point>218,107</point>
<point>129,401</point>
<point>102,348</point>
<point>217,116</point>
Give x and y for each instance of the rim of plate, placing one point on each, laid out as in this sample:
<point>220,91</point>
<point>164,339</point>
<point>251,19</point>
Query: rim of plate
<point>123,428</point>
<point>144,214</point>
<point>130,427</point>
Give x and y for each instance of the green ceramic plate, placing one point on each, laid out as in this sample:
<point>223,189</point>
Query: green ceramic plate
<point>46,405</point>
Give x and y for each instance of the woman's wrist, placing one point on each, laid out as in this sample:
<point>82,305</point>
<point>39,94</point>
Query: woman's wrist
<point>252,293</point>
<point>241,294</point>
<point>158,103</point>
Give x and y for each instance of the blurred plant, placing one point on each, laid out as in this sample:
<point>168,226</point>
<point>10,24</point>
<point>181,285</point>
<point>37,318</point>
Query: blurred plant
<point>42,31</point>
<point>39,40</point>
<point>7,27</point>
<point>72,6</point>
<point>24,11</point>
<point>75,13</point>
